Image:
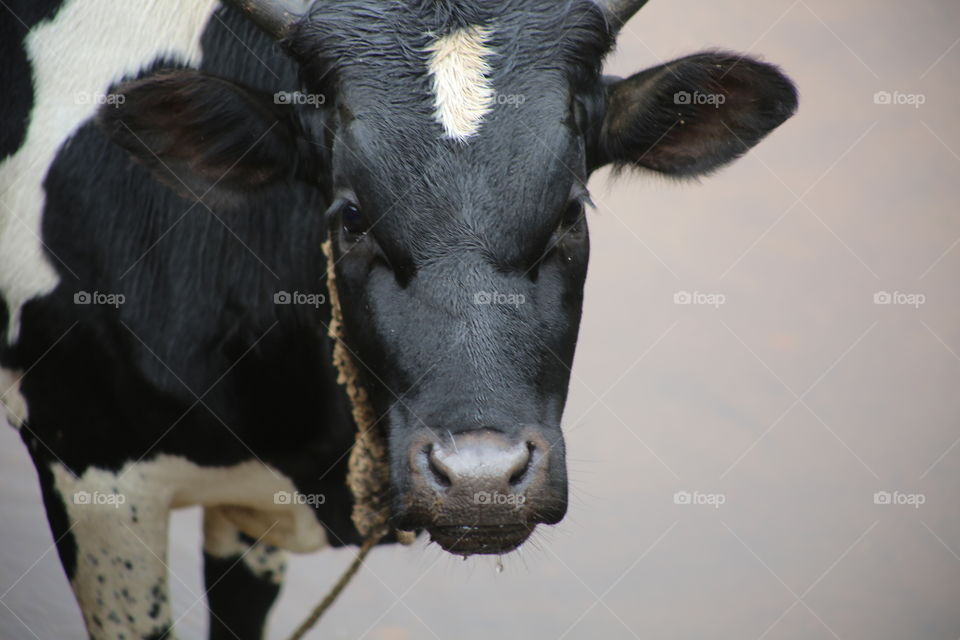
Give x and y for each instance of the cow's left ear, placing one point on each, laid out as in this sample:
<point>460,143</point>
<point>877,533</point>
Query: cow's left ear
<point>204,136</point>
<point>691,116</point>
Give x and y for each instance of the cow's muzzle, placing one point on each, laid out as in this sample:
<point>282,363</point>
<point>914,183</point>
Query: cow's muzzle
<point>481,491</point>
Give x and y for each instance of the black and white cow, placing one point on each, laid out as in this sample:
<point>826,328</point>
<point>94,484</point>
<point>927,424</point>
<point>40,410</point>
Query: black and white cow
<point>170,170</point>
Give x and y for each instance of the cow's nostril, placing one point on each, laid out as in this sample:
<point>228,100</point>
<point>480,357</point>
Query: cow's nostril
<point>477,462</point>
<point>517,476</point>
<point>439,474</point>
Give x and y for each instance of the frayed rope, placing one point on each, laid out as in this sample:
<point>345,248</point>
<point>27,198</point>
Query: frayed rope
<point>368,469</point>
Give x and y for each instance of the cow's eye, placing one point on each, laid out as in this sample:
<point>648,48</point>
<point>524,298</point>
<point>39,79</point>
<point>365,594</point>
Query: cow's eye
<point>573,214</point>
<point>353,221</point>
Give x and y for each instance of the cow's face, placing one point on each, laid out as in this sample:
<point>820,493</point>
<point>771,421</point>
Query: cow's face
<point>460,241</point>
<point>455,144</point>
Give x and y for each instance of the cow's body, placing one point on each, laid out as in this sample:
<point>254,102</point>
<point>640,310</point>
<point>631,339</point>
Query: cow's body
<point>221,395</point>
<point>146,358</point>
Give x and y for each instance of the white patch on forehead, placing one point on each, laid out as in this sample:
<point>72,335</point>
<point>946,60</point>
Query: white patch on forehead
<point>462,91</point>
<point>12,401</point>
<point>75,58</point>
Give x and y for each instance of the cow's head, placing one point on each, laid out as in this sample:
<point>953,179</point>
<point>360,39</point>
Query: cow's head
<point>453,140</point>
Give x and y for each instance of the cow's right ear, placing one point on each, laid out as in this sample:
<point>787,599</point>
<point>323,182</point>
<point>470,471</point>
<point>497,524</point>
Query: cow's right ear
<point>203,136</point>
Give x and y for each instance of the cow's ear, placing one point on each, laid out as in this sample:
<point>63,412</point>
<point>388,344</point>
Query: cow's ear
<point>203,136</point>
<point>691,116</point>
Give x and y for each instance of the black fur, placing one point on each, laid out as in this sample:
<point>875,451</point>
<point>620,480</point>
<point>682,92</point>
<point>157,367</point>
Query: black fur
<point>205,137</point>
<point>17,17</point>
<point>196,302</point>
<point>229,581</point>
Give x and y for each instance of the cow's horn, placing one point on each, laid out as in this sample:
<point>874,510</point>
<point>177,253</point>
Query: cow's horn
<point>619,11</point>
<point>276,17</point>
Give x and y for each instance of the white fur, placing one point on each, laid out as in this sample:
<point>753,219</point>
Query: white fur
<point>120,577</point>
<point>11,399</point>
<point>129,525</point>
<point>462,91</point>
<point>245,493</point>
<point>79,54</point>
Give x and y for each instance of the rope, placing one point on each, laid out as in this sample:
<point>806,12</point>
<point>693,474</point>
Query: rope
<point>340,585</point>
<point>368,469</point>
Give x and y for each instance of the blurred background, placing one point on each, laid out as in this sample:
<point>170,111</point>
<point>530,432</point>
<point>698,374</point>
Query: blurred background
<point>778,459</point>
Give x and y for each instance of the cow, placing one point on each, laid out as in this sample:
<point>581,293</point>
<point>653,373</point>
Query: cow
<point>171,172</point>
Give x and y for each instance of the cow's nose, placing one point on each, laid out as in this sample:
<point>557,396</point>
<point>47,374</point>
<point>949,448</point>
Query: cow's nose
<point>483,491</point>
<point>479,461</point>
